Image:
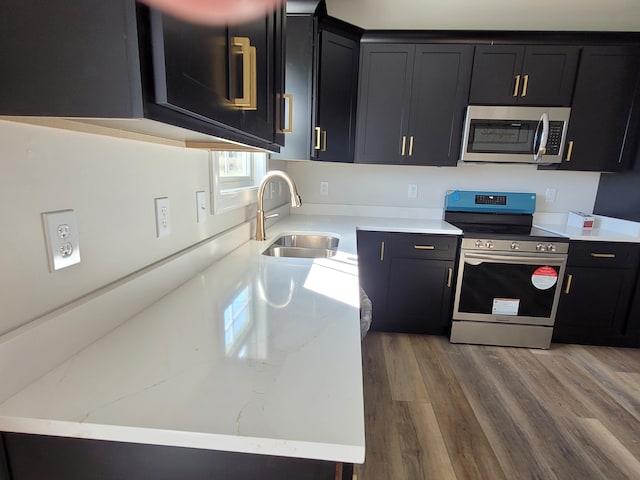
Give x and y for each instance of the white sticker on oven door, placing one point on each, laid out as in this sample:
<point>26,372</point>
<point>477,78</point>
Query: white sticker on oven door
<point>544,278</point>
<point>505,306</point>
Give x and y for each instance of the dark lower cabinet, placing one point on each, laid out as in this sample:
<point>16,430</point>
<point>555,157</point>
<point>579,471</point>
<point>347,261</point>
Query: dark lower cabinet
<point>36,457</point>
<point>594,307</point>
<point>408,278</point>
<point>632,325</point>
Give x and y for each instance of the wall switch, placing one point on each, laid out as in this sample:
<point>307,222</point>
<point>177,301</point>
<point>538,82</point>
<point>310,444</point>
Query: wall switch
<point>201,206</point>
<point>550,195</point>
<point>412,190</point>
<point>61,235</point>
<point>163,220</point>
<point>324,188</point>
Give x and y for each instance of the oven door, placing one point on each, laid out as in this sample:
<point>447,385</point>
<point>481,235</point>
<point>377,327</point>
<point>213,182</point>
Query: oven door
<point>508,287</point>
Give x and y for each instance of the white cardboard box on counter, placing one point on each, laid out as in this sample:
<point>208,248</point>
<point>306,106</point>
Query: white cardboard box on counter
<point>580,220</point>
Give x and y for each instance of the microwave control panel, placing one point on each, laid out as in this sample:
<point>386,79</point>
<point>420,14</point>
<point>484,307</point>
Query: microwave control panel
<point>555,137</point>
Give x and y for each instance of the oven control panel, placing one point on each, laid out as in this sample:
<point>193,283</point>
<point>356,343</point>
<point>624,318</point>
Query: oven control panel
<point>525,246</point>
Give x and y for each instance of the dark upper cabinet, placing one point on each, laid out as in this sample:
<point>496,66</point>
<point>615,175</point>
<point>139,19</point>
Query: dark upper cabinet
<point>321,89</point>
<point>120,60</point>
<point>408,278</point>
<point>411,103</point>
<point>597,292</point>
<point>541,75</point>
<point>605,111</point>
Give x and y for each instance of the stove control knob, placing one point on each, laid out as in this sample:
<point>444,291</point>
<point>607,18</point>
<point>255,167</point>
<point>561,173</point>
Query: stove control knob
<point>489,244</point>
<point>551,247</point>
<point>478,244</point>
<point>515,246</point>
<point>541,248</point>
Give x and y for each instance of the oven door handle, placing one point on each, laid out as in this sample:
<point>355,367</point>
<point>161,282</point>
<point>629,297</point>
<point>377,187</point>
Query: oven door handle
<point>478,258</point>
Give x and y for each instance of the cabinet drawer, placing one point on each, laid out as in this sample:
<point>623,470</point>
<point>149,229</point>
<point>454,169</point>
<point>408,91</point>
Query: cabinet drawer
<point>436,247</point>
<point>604,254</point>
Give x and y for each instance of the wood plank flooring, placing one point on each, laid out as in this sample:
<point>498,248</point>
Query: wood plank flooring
<point>436,410</point>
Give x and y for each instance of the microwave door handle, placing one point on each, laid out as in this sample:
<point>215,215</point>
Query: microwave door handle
<point>542,149</point>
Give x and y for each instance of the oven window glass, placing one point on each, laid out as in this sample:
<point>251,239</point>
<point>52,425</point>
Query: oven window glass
<point>505,289</point>
<point>500,136</point>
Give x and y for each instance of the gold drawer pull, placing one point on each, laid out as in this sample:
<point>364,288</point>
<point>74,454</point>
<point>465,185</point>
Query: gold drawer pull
<point>424,247</point>
<point>289,99</point>
<point>569,151</point>
<point>324,141</point>
<point>449,276</point>
<point>404,144</point>
<point>243,47</point>
<point>381,251</point>
<point>603,255</point>
<point>411,146</point>
<point>525,85</point>
<point>318,135</point>
<point>517,86</point>
<point>569,280</point>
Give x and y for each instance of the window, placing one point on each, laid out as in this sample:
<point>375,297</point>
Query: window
<point>235,177</point>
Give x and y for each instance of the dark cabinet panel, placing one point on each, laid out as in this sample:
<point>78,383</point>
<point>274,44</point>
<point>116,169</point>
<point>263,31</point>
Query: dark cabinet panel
<point>631,328</point>
<point>408,278</point>
<point>384,91</point>
<point>56,458</point>
<point>337,95</point>
<point>597,292</point>
<point>411,103</point>
<point>321,85</point>
<point>120,60</point>
<point>526,75</point>
<point>606,88</point>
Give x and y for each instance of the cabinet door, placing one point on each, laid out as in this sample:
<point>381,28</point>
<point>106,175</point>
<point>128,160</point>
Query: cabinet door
<point>300,71</point>
<point>258,114</point>
<point>606,86</point>
<point>337,94</point>
<point>593,306</point>
<point>525,75</point>
<point>419,297</point>
<point>495,70</point>
<point>631,328</point>
<point>383,96</point>
<point>373,273</point>
<point>441,77</point>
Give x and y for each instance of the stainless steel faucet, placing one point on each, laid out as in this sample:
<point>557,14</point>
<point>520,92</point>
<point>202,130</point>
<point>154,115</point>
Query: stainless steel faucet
<point>296,200</point>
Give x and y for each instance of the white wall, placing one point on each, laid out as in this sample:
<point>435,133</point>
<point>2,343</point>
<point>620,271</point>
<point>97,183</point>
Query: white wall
<point>386,185</point>
<point>111,184</point>
<point>615,15</point>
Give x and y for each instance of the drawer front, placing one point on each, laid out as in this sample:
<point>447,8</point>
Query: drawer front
<point>604,254</point>
<point>435,247</point>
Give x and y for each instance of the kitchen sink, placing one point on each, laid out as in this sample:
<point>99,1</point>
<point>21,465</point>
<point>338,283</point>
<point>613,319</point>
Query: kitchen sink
<point>303,246</point>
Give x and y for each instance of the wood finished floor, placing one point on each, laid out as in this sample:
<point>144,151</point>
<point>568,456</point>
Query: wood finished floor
<point>435,410</point>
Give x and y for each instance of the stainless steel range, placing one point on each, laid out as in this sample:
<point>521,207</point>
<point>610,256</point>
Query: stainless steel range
<point>509,273</point>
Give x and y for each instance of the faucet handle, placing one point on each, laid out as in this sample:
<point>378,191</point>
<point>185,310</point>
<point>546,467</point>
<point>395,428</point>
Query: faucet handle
<point>272,215</point>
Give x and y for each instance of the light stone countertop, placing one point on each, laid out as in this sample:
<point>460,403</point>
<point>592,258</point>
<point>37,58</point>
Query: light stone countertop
<point>255,354</point>
<point>606,229</point>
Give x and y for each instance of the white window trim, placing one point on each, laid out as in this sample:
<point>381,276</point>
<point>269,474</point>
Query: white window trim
<point>224,198</point>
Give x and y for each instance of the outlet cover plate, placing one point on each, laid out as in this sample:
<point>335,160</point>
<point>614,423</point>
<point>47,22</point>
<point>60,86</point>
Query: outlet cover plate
<point>62,240</point>
<point>201,206</point>
<point>163,220</point>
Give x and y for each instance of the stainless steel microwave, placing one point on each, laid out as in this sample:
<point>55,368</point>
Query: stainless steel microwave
<point>514,134</point>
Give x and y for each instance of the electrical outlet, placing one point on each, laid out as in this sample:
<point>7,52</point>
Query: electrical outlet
<point>412,190</point>
<point>61,235</point>
<point>201,206</point>
<point>324,188</point>
<point>550,194</point>
<point>163,220</point>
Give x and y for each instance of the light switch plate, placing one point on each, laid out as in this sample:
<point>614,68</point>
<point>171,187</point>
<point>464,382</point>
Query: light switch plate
<point>61,235</point>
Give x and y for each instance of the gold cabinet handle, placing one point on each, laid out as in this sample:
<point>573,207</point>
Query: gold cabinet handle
<point>404,144</point>
<point>569,280</point>
<point>449,276</point>
<point>381,251</point>
<point>525,85</point>
<point>289,100</point>
<point>424,247</point>
<point>517,86</point>
<point>318,135</point>
<point>411,145</point>
<point>324,141</point>
<point>603,255</point>
<point>248,101</point>
<point>569,151</point>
